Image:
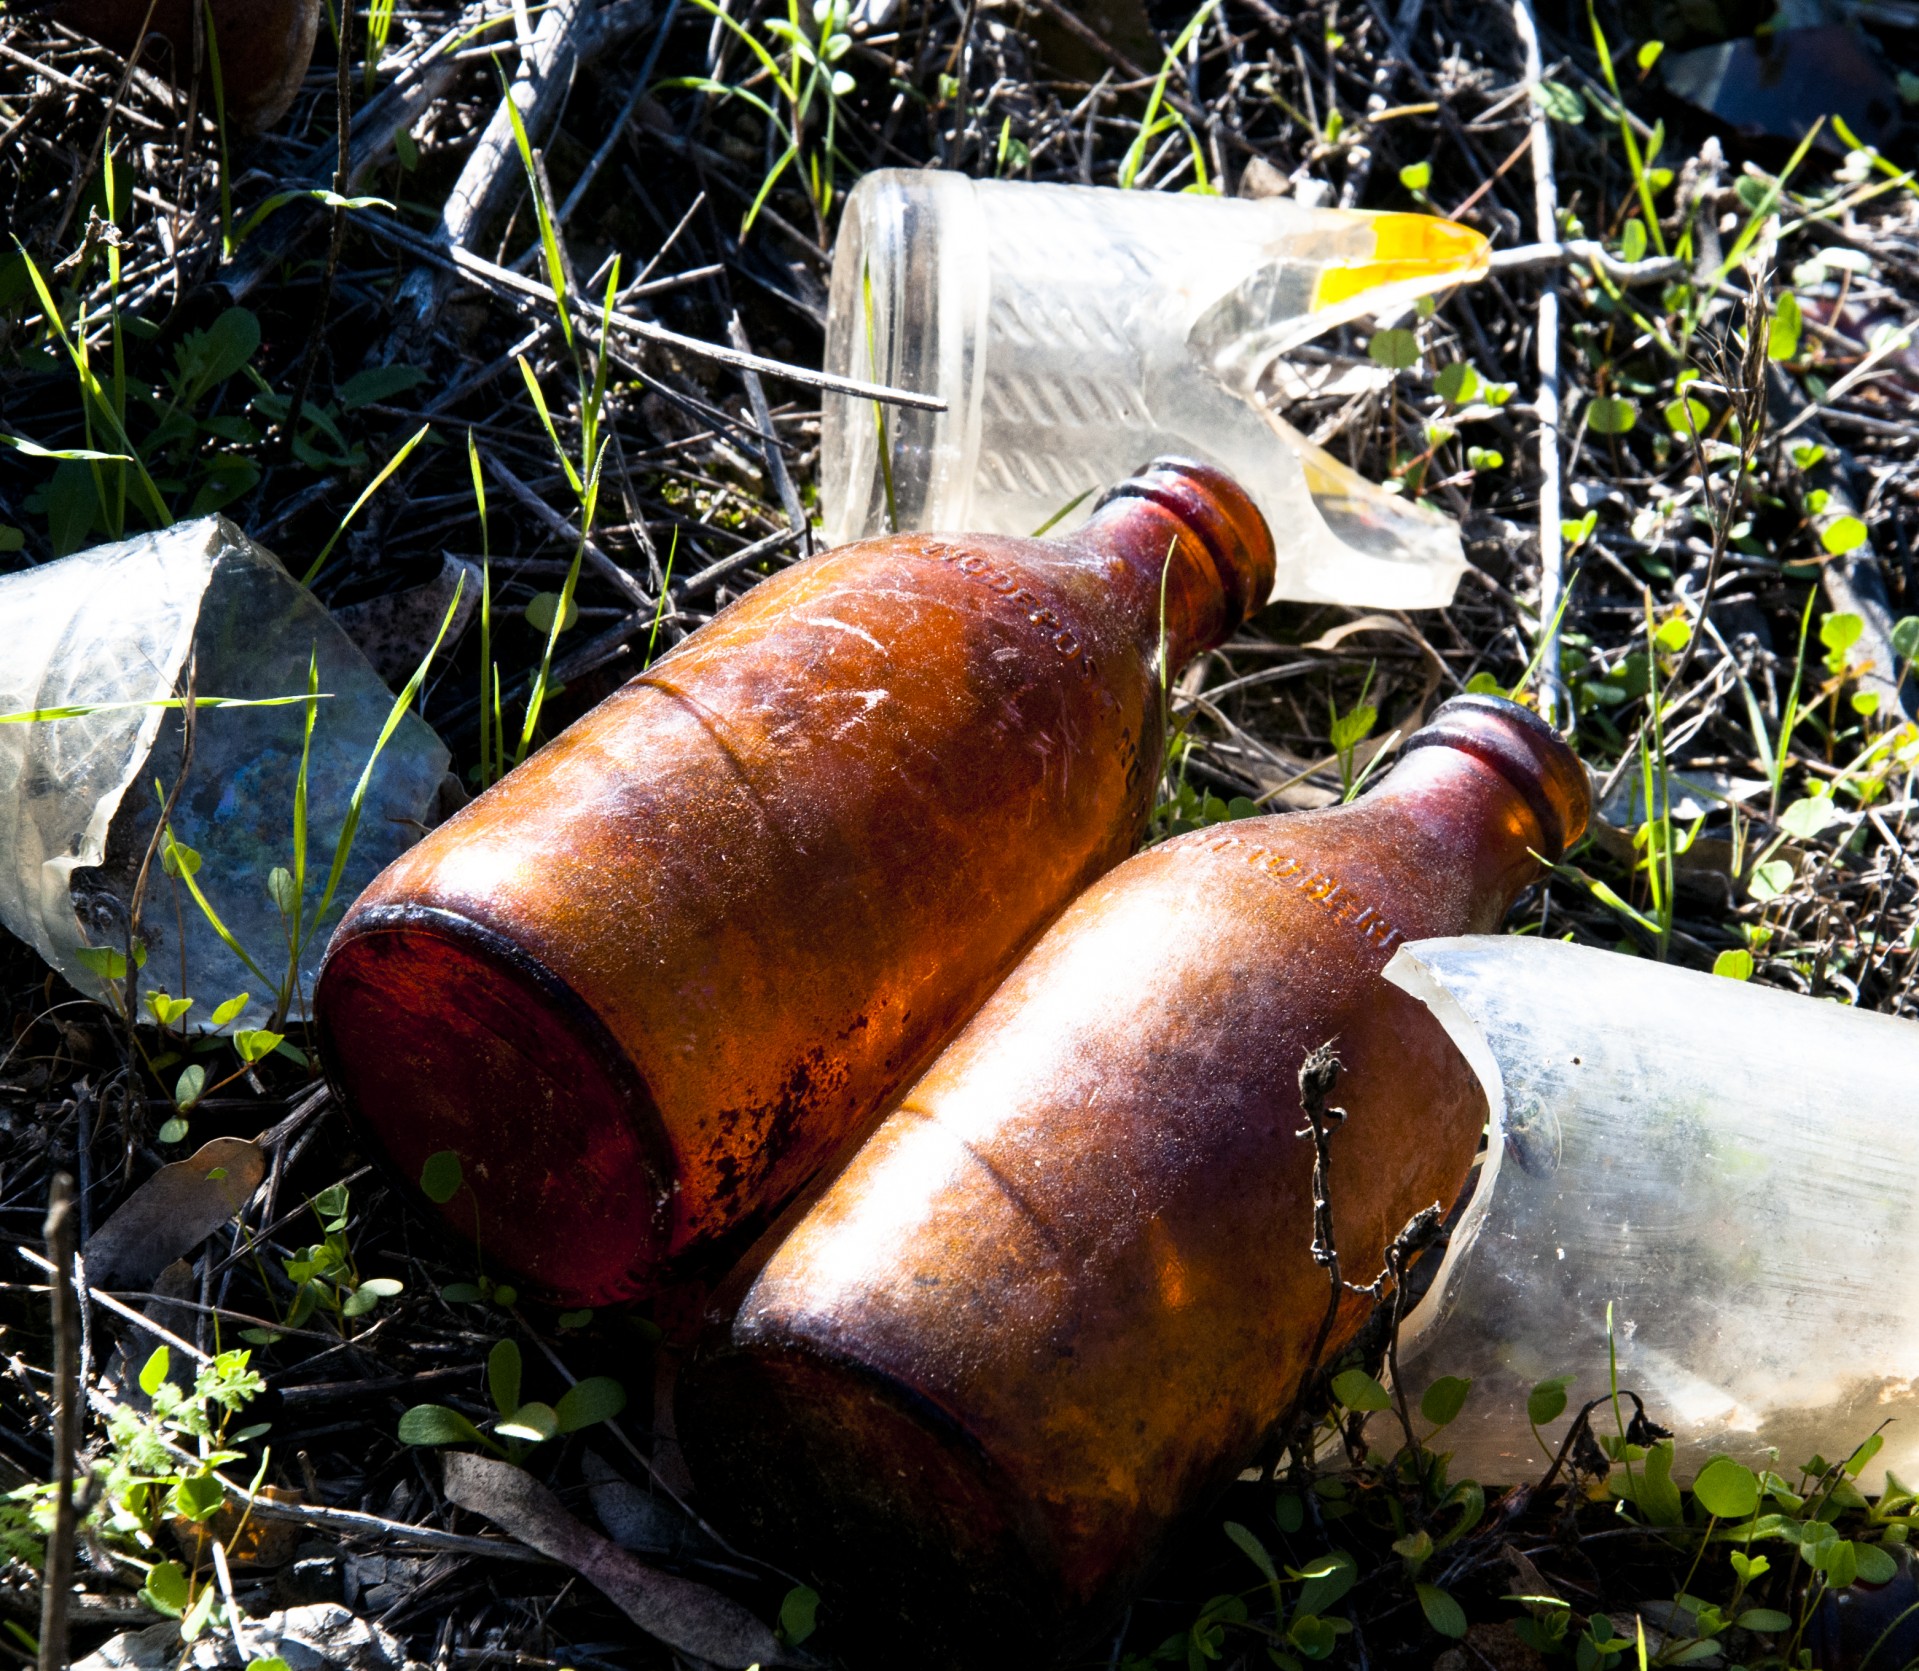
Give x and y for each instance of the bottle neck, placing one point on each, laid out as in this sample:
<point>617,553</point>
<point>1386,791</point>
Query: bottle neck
<point>1190,547</point>
<point>1497,786</point>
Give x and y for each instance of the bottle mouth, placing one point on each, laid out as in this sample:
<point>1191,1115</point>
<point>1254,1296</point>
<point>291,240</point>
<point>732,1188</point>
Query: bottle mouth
<point>1527,752</point>
<point>1220,515</point>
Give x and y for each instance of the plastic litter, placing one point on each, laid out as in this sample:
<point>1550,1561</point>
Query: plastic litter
<point>1734,1168</point>
<point>1075,330</point>
<point>78,804</point>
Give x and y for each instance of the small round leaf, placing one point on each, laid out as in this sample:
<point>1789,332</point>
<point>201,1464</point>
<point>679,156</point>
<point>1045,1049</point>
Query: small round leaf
<point>440,1177</point>
<point>1727,1489</point>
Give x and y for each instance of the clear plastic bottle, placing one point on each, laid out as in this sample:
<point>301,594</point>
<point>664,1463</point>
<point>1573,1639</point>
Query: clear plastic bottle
<point>1732,1169</point>
<point>651,980</point>
<point>1073,330</point>
<point>1062,1292</point>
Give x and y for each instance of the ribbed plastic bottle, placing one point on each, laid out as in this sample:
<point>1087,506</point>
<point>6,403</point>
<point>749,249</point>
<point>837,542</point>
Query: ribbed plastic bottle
<point>1059,1296</point>
<point>646,984</point>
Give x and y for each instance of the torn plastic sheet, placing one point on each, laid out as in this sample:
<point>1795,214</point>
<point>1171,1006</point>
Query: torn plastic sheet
<point>1733,1168</point>
<point>79,804</point>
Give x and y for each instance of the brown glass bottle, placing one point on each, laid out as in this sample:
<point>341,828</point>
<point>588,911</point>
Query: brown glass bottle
<point>264,46</point>
<point>1059,1296</point>
<point>646,984</point>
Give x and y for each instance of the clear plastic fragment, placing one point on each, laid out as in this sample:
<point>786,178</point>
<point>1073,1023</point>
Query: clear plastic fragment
<point>1076,331</point>
<point>1735,1169</point>
<point>80,797</point>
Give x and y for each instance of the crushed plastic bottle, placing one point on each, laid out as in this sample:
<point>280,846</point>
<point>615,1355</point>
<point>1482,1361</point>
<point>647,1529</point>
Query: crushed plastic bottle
<point>78,804</point>
<point>1074,330</point>
<point>1734,1169</point>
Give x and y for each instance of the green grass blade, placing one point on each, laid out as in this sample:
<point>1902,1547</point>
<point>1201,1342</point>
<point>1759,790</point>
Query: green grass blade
<point>372,488</point>
<point>536,700</point>
<point>343,848</point>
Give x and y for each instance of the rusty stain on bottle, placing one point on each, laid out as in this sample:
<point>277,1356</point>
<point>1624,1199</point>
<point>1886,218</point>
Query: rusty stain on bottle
<point>1059,1297</point>
<point>646,984</point>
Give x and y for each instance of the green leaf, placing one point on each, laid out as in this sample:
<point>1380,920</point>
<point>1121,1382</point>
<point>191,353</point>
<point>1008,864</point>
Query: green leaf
<point>187,1089</point>
<point>1632,240</point>
<point>1289,1512</point>
<point>436,1424</point>
<point>103,961</point>
<point>1839,1560</point>
<point>1648,54</point>
<point>1357,1390</point>
<point>1327,1579</point>
<point>1843,534</point>
<point>233,1006</point>
<point>1876,1564</point>
<point>1353,727</point>
<point>1808,817</point>
<point>1611,415</point>
<point>1443,1613</point>
<point>1416,176</point>
<point>378,383</point>
<point>281,891</point>
<point>1395,349</point>
<point>463,1293</point>
<point>1457,383</point>
<point>167,1589</point>
<point>503,1376</point>
<point>1653,1490</point>
<point>1254,1551</point>
<point>1856,1463</point>
<point>1547,1401</point>
<point>198,1614</point>
<point>1770,880</point>
<point>598,1398</point>
<point>1687,417</point>
<point>1905,637</point>
<point>1560,102</point>
<point>154,1371</point>
<point>1782,338</point>
<point>1673,634</point>
<point>1313,1636</point>
<point>1485,458</point>
<point>171,1131</point>
<point>1841,630</point>
<point>256,1043</point>
<point>382,1287</point>
<point>1764,1619</point>
<point>799,1614</point>
<point>1727,1489</point>
<point>533,1422</point>
<point>1444,1399</point>
<point>167,1010</point>
<point>545,605</point>
<point>1734,963</point>
<point>198,1497</point>
<point>440,1177</point>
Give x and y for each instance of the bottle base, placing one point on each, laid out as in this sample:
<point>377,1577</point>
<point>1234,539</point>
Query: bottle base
<point>920,1547</point>
<point>440,1036</point>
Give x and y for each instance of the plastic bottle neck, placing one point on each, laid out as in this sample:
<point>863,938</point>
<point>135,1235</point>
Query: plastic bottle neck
<point>1187,534</point>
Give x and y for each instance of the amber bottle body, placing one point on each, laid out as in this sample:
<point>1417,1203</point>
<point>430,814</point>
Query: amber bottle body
<point>264,46</point>
<point>1061,1294</point>
<point>647,983</point>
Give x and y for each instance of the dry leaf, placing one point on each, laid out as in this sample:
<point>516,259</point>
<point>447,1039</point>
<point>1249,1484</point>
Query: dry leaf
<point>173,1212</point>
<point>682,1614</point>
